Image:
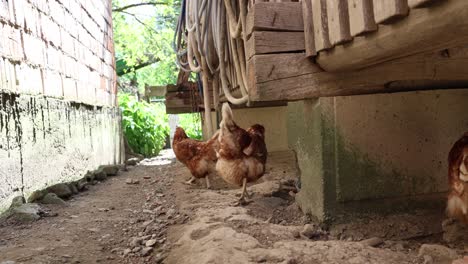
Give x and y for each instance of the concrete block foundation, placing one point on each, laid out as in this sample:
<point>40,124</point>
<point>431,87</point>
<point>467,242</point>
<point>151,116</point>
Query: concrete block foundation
<point>375,152</point>
<point>44,141</point>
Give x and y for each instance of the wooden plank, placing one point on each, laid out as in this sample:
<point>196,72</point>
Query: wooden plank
<point>448,28</point>
<point>275,17</point>
<point>308,28</point>
<point>361,15</point>
<point>319,16</point>
<point>268,82</point>
<point>388,11</point>
<point>159,91</point>
<point>422,3</point>
<point>263,42</point>
<point>338,21</point>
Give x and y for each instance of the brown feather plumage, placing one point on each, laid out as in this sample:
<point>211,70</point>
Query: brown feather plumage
<point>198,156</point>
<point>457,202</point>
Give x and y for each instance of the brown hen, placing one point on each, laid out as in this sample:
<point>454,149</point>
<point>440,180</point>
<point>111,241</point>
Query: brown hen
<point>198,156</point>
<point>457,203</point>
<point>242,154</point>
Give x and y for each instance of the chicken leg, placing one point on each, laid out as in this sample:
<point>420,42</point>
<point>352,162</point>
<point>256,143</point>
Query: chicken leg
<point>207,179</point>
<point>244,194</point>
<point>191,181</point>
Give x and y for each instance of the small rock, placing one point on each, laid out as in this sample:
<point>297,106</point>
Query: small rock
<point>36,195</point>
<point>146,251</point>
<point>132,161</point>
<point>428,259</point>
<point>309,231</point>
<point>170,213</point>
<point>61,190</point>
<point>100,174</point>
<point>82,185</point>
<point>131,181</point>
<point>454,231</point>
<point>110,170</point>
<point>146,177</point>
<point>26,213</point>
<point>94,230</point>
<point>135,241</point>
<point>73,187</point>
<point>136,249</point>
<point>372,242</point>
<point>439,253</point>
<point>17,202</point>
<point>147,223</point>
<point>89,176</point>
<point>127,251</point>
<point>52,198</point>
<point>151,243</point>
<point>296,234</point>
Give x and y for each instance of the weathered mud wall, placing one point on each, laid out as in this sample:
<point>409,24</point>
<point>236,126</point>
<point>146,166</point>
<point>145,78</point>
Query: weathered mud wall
<point>363,148</point>
<point>44,141</point>
<point>58,110</point>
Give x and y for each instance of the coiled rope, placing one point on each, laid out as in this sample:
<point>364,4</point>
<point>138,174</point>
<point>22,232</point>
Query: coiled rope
<point>210,40</point>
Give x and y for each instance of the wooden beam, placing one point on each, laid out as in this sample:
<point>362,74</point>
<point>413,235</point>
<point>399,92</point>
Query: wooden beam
<point>319,11</point>
<point>422,3</point>
<point>159,91</point>
<point>428,29</point>
<point>308,28</point>
<point>338,21</point>
<point>264,16</point>
<point>263,42</point>
<point>361,15</point>
<point>269,81</point>
<point>388,11</point>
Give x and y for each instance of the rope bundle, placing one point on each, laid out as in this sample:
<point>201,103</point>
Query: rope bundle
<point>210,40</point>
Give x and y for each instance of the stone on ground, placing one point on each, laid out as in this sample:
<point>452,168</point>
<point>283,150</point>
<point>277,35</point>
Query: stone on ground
<point>36,195</point>
<point>110,170</point>
<point>132,161</point>
<point>52,198</point>
<point>17,202</point>
<point>25,213</point>
<point>440,254</point>
<point>61,190</point>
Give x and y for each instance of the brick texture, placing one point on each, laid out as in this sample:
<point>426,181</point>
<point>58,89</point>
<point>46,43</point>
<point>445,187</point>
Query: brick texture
<point>58,48</point>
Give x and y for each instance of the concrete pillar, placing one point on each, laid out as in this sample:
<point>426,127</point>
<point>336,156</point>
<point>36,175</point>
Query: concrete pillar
<point>374,153</point>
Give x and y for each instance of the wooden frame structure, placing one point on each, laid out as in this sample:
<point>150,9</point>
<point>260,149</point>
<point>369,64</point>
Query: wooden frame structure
<point>316,48</point>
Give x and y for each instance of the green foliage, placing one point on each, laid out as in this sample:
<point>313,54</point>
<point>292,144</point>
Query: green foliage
<point>143,35</point>
<point>145,125</point>
<point>192,125</point>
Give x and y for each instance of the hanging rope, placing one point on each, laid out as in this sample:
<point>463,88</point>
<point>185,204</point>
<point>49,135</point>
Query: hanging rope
<point>210,39</point>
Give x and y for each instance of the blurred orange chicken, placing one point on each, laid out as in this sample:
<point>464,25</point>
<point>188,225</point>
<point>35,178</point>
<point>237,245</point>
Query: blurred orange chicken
<point>198,156</point>
<point>457,204</point>
<point>241,154</point>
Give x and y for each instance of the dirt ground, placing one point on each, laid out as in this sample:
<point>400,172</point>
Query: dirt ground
<point>147,215</point>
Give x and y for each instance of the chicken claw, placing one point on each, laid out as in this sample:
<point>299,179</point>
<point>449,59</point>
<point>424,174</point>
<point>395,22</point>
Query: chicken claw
<point>191,181</point>
<point>242,200</point>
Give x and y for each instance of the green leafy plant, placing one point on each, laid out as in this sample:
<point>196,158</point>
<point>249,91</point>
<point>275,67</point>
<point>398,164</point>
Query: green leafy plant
<point>192,125</point>
<point>145,125</point>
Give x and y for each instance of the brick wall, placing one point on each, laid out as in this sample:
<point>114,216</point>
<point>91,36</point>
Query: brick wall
<point>58,48</point>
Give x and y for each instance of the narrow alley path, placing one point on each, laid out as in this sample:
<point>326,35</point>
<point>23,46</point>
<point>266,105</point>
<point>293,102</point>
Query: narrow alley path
<point>147,215</point>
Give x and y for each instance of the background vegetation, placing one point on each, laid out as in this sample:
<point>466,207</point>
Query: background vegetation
<point>143,33</point>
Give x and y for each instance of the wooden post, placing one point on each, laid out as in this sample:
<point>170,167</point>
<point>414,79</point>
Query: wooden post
<point>387,11</point>
<point>338,21</point>
<point>361,17</point>
<point>308,28</point>
<point>319,16</point>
